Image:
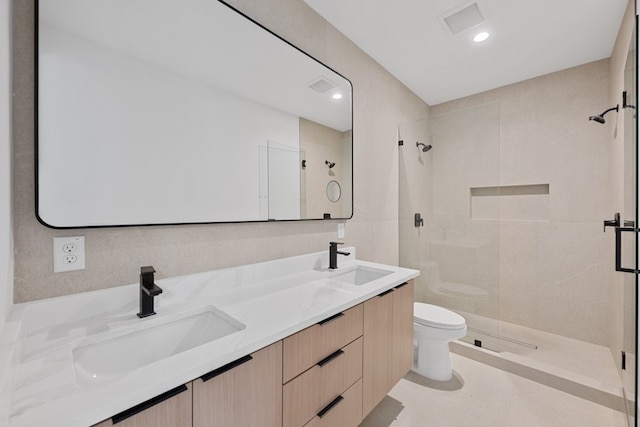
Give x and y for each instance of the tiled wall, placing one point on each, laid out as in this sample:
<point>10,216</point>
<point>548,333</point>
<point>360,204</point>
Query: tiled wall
<point>113,256</point>
<point>6,243</point>
<point>553,259</point>
<point>319,144</point>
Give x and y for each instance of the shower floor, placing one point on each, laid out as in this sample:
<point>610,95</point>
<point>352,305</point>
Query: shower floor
<point>577,367</point>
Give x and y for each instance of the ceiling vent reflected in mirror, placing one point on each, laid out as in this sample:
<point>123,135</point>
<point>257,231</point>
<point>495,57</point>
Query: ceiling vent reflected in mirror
<point>462,17</point>
<point>321,85</point>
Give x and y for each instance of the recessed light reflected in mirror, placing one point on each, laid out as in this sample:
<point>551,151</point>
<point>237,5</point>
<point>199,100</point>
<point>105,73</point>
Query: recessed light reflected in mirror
<point>480,37</point>
<point>337,96</point>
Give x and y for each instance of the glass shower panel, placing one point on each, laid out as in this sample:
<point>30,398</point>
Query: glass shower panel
<point>629,242</point>
<point>455,187</point>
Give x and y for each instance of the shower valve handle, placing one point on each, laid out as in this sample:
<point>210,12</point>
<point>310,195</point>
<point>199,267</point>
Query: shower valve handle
<point>615,222</point>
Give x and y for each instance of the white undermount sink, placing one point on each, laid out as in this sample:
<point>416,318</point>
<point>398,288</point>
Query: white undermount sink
<point>360,275</point>
<point>114,356</point>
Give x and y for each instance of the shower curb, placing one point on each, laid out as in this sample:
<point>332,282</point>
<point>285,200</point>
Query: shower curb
<point>559,379</point>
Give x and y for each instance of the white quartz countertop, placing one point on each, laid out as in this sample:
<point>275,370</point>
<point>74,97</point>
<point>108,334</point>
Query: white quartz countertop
<point>272,300</point>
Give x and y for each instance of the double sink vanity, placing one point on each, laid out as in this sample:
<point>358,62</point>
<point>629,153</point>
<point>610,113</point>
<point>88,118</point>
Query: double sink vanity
<point>287,342</point>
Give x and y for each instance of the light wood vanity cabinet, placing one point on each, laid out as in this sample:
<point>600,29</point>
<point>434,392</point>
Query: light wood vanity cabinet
<point>307,347</point>
<point>245,393</point>
<point>346,412</point>
<point>329,374</point>
<point>322,365</point>
<point>170,409</point>
<point>402,354</point>
<point>388,343</point>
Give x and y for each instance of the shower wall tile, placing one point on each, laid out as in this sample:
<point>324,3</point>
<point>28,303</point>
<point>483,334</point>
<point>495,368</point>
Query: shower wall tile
<point>380,102</point>
<point>552,258</point>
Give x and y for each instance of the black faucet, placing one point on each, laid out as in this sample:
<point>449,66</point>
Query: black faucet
<point>333,254</point>
<point>148,290</point>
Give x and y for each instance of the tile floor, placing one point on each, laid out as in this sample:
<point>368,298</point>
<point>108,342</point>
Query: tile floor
<point>480,395</point>
<point>553,351</point>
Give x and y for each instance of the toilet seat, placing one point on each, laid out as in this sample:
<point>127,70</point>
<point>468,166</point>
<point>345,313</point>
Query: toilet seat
<point>437,317</point>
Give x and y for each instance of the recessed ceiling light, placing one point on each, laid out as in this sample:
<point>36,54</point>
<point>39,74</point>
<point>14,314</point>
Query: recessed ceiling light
<point>480,37</point>
<point>337,96</point>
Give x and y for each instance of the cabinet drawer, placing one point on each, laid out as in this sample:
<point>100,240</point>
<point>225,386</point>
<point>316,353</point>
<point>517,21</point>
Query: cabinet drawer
<point>345,412</point>
<point>169,409</point>
<point>310,392</point>
<point>307,347</point>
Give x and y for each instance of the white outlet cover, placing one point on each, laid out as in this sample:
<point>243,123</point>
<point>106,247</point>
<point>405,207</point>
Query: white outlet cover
<point>341,230</point>
<point>60,255</point>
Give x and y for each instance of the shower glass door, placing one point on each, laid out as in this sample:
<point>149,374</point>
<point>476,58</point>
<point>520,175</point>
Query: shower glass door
<point>454,188</point>
<point>629,217</point>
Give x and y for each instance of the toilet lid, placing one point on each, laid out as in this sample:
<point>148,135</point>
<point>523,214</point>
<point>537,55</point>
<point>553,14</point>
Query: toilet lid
<point>433,315</point>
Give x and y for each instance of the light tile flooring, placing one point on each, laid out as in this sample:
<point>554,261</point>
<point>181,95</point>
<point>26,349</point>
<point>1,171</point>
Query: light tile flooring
<point>480,395</point>
<point>553,352</point>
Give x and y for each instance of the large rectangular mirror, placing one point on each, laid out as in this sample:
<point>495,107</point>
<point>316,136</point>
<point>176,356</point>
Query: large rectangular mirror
<point>183,111</point>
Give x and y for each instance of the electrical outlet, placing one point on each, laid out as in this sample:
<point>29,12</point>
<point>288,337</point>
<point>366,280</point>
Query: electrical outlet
<point>68,254</point>
<point>69,259</point>
<point>69,248</point>
<point>341,230</point>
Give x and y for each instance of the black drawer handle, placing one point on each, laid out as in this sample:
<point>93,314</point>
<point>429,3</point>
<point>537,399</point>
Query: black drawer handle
<point>148,404</point>
<point>401,285</point>
<point>329,358</point>
<point>229,366</point>
<point>330,406</point>
<point>386,292</point>
<point>330,319</point>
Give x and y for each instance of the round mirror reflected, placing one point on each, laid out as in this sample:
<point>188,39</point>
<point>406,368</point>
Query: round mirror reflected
<point>333,191</point>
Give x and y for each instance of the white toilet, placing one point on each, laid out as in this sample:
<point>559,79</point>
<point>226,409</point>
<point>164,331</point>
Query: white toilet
<point>433,328</point>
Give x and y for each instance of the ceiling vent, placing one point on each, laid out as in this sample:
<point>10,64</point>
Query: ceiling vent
<point>462,18</point>
<point>321,85</point>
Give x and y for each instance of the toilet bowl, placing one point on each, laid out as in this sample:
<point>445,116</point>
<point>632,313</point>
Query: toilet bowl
<point>433,328</point>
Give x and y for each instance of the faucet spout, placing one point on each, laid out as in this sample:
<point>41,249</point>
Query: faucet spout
<point>333,254</point>
<point>148,289</point>
<point>152,290</point>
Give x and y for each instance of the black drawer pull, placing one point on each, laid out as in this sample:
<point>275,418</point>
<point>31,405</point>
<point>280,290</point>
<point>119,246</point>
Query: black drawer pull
<point>329,358</point>
<point>401,285</point>
<point>330,406</point>
<point>229,366</point>
<point>330,319</point>
<point>148,404</point>
<point>386,292</point>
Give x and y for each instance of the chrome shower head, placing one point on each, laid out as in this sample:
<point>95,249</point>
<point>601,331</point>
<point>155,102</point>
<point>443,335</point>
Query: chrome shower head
<point>425,147</point>
<point>600,118</point>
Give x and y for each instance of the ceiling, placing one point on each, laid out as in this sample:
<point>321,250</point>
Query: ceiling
<point>176,36</point>
<point>528,38</point>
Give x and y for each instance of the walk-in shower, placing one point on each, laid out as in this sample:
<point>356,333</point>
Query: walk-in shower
<point>509,242</point>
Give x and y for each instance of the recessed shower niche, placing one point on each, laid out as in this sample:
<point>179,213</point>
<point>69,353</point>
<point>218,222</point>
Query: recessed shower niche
<point>510,202</point>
